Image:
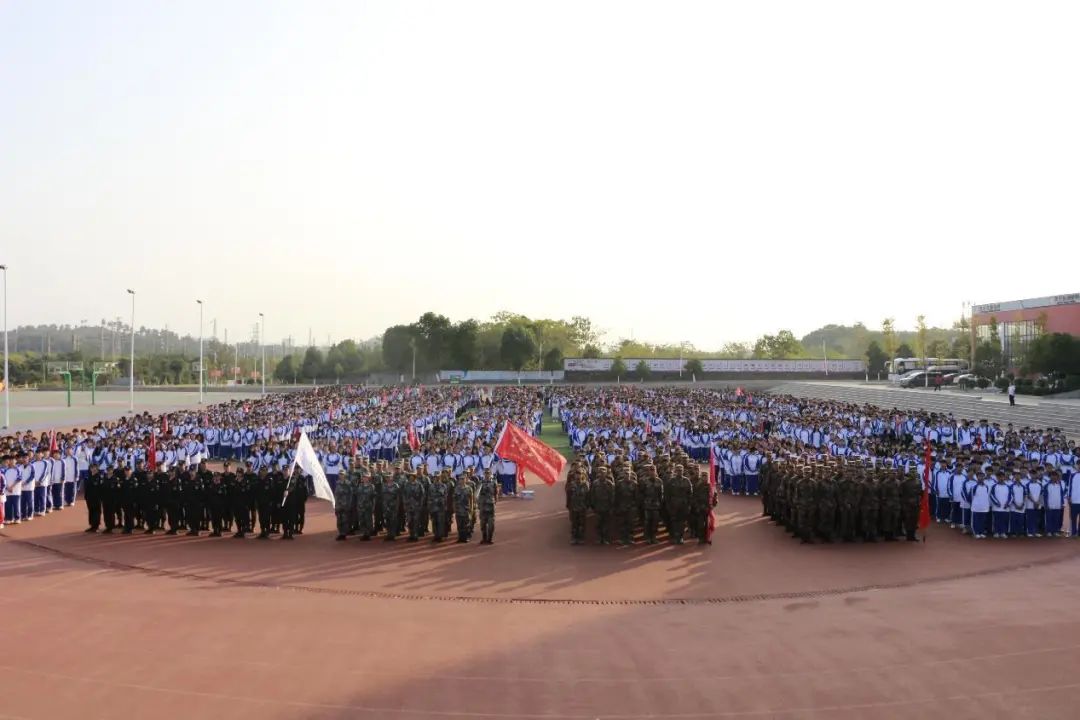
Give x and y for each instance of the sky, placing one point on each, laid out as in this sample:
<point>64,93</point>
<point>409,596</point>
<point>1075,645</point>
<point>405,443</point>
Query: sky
<point>676,171</point>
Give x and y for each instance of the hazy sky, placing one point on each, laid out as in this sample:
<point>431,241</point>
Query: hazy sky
<point>685,171</point>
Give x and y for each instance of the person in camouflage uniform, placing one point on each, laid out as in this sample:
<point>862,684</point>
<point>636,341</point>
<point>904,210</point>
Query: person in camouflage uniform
<point>413,498</point>
<point>805,504</point>
<point>464,504</point>
<point>890,505</point>
<point>344,502</point>
<point>378,477</point>
<point>825,500</point>
<point>626,506</point>
<point>437,508</point>
<point>849,498</point>
<point>652,501</point>
<point>603,502</point>
<point>677,501</point>
<point>487,497</point>
<point>700,505</point>
<point>870,509</point>
<point>366,495</point>
<point>910,501</point>
<point>391,503</point>
<point>577,503</point>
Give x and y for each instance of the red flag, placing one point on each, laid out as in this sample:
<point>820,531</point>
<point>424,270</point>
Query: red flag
<point>738,392</point>
<point>924,502</point>
<point>355,444</point>
<point>710,526</point>
<point>296,434</point>
<point>164,425</point>
<point>530,454</point>
<point>410,435</point>
<point>648,428</point>
<point>331,413</point>
<point>205,421</point>
<point>151,454</point>
<point>52,442</point>
<point>712,468</point>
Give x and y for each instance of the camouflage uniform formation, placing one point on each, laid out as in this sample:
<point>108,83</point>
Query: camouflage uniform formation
<point>841,501</point>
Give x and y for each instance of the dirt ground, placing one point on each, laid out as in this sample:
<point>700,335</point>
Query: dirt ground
<point>531,627</point>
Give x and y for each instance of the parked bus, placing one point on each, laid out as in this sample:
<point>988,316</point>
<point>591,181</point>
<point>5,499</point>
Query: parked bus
<point>898,367</point>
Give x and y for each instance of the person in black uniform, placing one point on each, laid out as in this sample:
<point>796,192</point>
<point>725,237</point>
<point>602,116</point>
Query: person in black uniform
<point>129,490</point>
<point>241,501</point>
<point>110,498</point>
<point>173,501</point>
<point>206,478</point>
<point>150,500</point>
<point>279,486</point>
<point>217,499</point>
<point>193,500</point>
<point>93,488</point>
<point>294,500</point>
<point>263,493</point>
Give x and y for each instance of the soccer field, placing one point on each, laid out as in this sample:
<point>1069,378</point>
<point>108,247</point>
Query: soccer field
<point>45,410</point>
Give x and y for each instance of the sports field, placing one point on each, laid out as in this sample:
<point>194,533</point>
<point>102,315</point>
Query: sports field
<point>45,410</point>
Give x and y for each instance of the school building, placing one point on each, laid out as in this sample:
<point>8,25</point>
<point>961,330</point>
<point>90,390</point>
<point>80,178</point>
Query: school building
<point>1021,321</point>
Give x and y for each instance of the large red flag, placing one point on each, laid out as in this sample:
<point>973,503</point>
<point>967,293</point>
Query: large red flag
<point>712,466</point>
<point>151,453</point>
<point>52,442</point>
<point>924,502</point>
<point>410,435</point>
<point>530,454</point>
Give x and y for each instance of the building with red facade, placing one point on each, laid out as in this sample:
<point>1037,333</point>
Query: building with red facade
<point>1021,321</point>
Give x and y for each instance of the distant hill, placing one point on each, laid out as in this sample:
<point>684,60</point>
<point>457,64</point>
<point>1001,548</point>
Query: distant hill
<point>851,341</point>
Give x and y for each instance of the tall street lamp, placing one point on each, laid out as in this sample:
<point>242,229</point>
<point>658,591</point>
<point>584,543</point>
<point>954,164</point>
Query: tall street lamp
<point>7,380</point>
<point>262,343</point>
<point>131,370</point>
<point>200,351</point>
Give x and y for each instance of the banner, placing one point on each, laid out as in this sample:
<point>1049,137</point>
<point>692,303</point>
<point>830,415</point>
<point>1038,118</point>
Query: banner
<point>309,463</point>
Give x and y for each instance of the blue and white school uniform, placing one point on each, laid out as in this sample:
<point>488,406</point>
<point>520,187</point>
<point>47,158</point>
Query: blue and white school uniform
<point>1033,498</point>
<point>1017,520</point>
<point>507,473</point>
<point>1054,498</point>
<point>39,481</point>
<point>1074,504</point>
<point>961,507</point>
<point>333,466</point>
<point>752,471</point>
<point>979,497</point>
<point>13,494</point>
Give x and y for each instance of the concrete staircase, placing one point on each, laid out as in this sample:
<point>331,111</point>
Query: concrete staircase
<point>1029,411</point>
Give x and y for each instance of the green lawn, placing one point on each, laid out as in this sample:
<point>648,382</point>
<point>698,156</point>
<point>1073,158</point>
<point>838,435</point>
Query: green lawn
<point>554,436</point>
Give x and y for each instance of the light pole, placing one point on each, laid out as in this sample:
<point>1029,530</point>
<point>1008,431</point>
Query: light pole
<point>131,370</point>
<point>262,343</point>
<point>7,380</point>
<point>200,351</point>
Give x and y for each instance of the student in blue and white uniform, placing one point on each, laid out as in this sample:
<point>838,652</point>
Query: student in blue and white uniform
<point>1054,498</point>
<point>979,497</point>
<point>506,470</point>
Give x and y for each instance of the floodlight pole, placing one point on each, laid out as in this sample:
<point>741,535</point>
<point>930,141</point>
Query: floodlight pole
<point>7,380</point>
<point>200,351</point>
<point>131,370</point>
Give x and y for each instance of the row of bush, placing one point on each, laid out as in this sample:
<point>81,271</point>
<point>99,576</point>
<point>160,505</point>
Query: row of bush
<point>1053,383</point>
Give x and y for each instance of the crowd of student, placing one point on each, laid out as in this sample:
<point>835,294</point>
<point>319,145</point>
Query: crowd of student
<point>452,428</point>
<point>984,478</point>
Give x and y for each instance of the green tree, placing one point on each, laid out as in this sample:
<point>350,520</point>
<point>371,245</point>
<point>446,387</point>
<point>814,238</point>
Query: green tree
<point>464,345</point>
<point>736,351</point>
<point>590,351</point>
<point>875,358</point>
<point>286,370</point>
<point>397,349</point>
<point>642,370</point>
<point>693,367</point>
<point>781,346</point>
<point>618,368</point>
<point>920,337</point>
<point>904,350</point>
<point>888,338</point>
<point>940,349</point>
<point>553,359</point>
<point>312,367</point>
<point>517,346</point>
<point>433,334</point>
<point>1054,353</point>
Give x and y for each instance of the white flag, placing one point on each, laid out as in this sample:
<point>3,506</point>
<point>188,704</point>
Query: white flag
<point>309,463</point>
